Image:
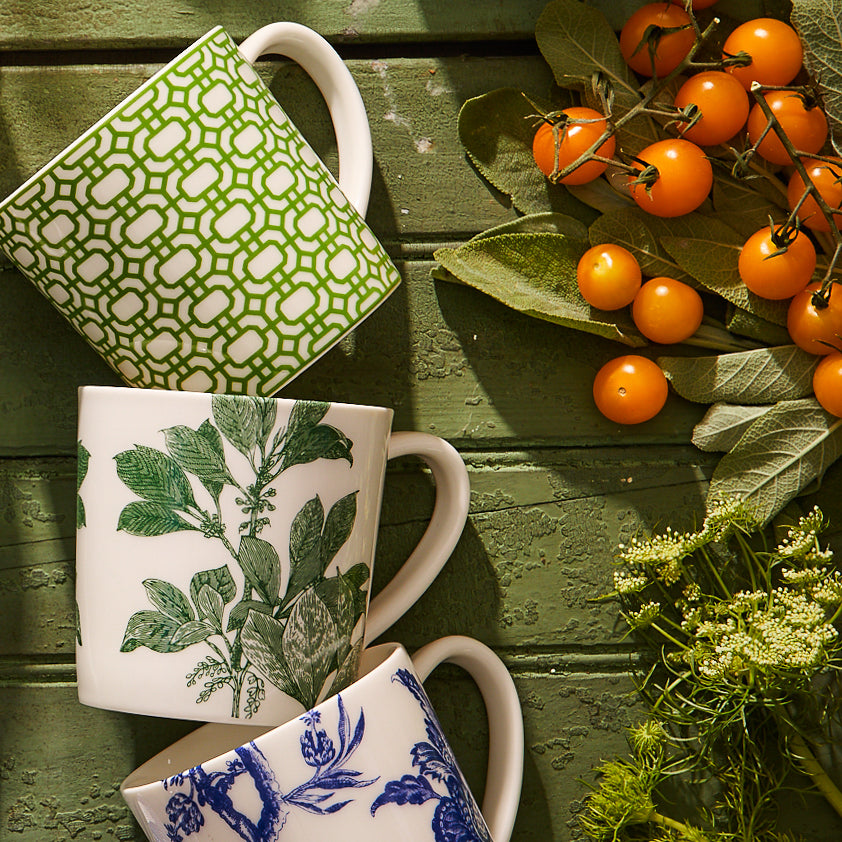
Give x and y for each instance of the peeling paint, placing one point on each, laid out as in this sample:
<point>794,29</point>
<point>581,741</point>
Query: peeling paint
<point>361,7</point>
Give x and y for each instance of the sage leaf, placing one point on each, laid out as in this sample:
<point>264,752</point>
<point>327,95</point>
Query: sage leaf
<point>743,323</point>
<point>640,233</point>
<point>762,376</point>
<point>741,203</point>
<point>309,644</point>
<point>540,223</point>
<point>713,262</point>
<point>262,641</point>
<point>154,476</point>
<point>496,130</point>
<point>820,29</point>
<point>218,579</point>
<point>153,630</point>
<point>147,519</point>
<point>723,425</point>
<point>578,43</point>
<point>778,456</point>
<point>238,420</point>
<point>536,275</point>
<point>261,566</point>
<point>169,600</point>
<point>197,454</point>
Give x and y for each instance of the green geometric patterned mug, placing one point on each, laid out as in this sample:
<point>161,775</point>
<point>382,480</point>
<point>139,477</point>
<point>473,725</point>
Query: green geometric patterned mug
<point>192,236</point>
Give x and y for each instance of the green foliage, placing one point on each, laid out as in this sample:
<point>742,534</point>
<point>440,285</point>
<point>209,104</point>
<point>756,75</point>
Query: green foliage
<point>294,635</point>
<point>740,630</point>
<point>776,443</point>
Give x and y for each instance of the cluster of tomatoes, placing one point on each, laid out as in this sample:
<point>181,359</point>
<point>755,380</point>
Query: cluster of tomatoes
<point>672,177</point>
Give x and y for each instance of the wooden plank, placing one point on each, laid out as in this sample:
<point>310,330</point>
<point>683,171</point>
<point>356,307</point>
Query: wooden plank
<point>424,189</point>
<point>447,358</point>
<point>81,25</point>
<point>538,547</point>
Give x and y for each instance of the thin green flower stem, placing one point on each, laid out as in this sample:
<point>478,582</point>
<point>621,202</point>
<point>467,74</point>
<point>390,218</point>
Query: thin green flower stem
<point>815,771</point>
<point>715,573</point>
<point>665,634</point>
<point>665,821</point>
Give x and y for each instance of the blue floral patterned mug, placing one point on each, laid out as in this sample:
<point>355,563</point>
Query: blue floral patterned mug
<point>370,764</point>
<point>194,238</point>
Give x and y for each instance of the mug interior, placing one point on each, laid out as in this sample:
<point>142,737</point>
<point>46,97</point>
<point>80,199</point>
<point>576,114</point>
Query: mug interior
<point>208,745</point>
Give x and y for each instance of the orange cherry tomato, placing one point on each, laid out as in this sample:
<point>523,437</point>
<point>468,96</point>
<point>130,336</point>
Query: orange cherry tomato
<point>805,127</point>
<point>723,103</point>
<point>815,330</point>
<point>608,276</point>
<point>775,50</point>
<point>630,389</point>
<point>685,177</point>
<point>673,44</point>
<point>583,128</point>
<point>827,383</point>
<point>667,311</point>
<point>827,178</point>
<point>769,271</point>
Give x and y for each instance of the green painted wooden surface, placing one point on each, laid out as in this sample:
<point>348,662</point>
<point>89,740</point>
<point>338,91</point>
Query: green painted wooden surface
<point>553,490</point>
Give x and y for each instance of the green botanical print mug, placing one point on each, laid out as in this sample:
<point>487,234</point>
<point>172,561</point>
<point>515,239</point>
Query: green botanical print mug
<point>194,238</point>
<point>225,554</point>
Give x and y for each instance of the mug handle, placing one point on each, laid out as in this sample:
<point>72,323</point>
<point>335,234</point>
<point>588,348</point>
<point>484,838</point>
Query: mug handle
<point>504,777</point>
<point>347,111</point>
<point>439,539</point>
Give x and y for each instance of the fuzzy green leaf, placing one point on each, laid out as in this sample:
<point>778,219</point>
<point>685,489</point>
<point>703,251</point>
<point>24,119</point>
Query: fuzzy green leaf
<point>743,323</point>
<point>712,261</point>
<point>577,41</point>
<point>723,426</point>
<point>819,24</point>
<point>496,129</point>
<point>745,206</point>
<point>779,456</point>
<point>764,376</point>
<point>640,233</point>
<point>535,274</point>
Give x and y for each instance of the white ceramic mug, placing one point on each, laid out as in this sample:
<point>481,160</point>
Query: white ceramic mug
<point>194,238</point>
<point>225,546</point>
<point>368,765</point>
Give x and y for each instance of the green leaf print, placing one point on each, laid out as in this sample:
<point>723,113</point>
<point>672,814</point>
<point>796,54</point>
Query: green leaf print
<point>169,600</point>
<point>239,420</point>
<point>197,454</point>
<point>219,579</point>
<point>153,630</point>
<point>338,526</point>
<point>147,519</point>
<point>262,642</point>
<point>155,477</point>
<point>261,567</point>
<point>82,461</point>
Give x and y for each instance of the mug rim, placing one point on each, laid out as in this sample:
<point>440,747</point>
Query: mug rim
<point>137,391</point>
<point>385,653</point>
<point>59,157</point>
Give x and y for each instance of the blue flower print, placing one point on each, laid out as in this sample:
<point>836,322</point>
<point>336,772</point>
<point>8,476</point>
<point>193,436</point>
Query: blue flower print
<point>456,817</point>
<point>209,790</point>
